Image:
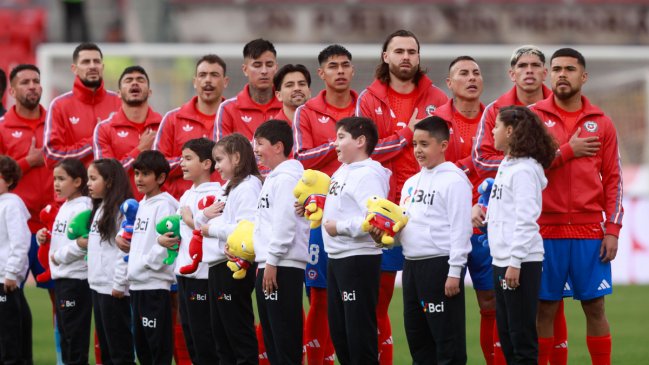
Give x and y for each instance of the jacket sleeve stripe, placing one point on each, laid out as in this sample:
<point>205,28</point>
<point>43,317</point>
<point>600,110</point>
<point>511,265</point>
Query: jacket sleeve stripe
<point>619,212</point>
<point>358,103</point>
<point>156,142</point>
<point>479,162</point>
<point>297,133</point>
<point>218,124</point>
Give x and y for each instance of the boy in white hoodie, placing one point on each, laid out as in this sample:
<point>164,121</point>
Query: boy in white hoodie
<point>354,260</point>
<point>281,240</point>
<point>436,244</point>
<point>15,315</point>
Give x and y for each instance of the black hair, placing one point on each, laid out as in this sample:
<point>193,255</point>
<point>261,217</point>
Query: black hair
<point>10,171</point>
<point>153,161</point>
<point>86,46</point>
<point>460,58</point>
<point>21,67</point>
<point>202,147</point>
<point>569,52</point>
<point>118,189</point>
<point>257,47</point>
<point>382,72</point>
<point>276,131</point>
<point>76,170</point>
<point>278,79</point>
<point>333,50</point>
<point>526,50</point>
<point>236,143</point>
<point>3,83</point>
<point>212,59</point>
<point>436,128</point>
<point>132,69</point>
<point>529,137</point>
<point>360,126</point>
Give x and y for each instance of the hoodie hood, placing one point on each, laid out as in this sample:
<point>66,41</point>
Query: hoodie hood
<point>292,168</point>
<point>513,163</point>
<point>164,196</point>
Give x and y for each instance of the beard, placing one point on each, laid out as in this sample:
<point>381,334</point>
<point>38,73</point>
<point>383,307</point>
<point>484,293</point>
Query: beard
<point>565,94</point>
<point>403,75</point>
<point>135,102</point>
<point>29,103</point>
<point>92,84</point>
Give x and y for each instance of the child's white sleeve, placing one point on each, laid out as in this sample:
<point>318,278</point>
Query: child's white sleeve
<point>527,210</point>
<point>243,200</point>
<point>368,186</point>
<point>284,224</point>
<point>154,258</point>
<point>120,278</point>
<point>458,203</point>
<point>19,242</point>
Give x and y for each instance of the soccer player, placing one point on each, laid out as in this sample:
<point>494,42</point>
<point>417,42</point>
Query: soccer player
<point>293,88</point>
<point>400,96</point>
<point>3,88</point>
<point>194,119</point>
<point>132,128</point>
<point>585,185</point>
<point>72,117</point>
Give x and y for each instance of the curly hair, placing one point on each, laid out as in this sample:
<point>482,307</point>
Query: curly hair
<point>529,136</point>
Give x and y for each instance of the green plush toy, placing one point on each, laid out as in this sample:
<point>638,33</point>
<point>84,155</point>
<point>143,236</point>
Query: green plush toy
<point>170,224</point>
<point>80,225</point>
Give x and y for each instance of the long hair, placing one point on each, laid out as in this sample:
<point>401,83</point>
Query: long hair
<point>118,189</point>
<point>233,144</point>
<point>529,136</point>
<point>382,72</point>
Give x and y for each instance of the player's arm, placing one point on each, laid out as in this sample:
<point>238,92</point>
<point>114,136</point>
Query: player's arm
<point>164,142</point>
<point>224,122</point>
<point>611,172</point>
<point>56,148</point>
<point>486,158</point>
<point>311,157</point>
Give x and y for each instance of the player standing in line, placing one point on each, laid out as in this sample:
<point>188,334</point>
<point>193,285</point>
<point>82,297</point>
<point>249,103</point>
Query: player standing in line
<point>400,96</point>
<point>3,88</point>
<point>293,88</point>
<point>583,184</point>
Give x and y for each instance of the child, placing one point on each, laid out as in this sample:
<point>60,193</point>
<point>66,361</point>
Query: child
<point>68,265</point>
<point>354,264</point>
<point>281,240</point>
<point>514,239</point>
<point>148,277</point>
<point>436,244</point>
<point>197,165</point>
<point>15,315</point>
<point>109,187</point>
<point>230,300</point>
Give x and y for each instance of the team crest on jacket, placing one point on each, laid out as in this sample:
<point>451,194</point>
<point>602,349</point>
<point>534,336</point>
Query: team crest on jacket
<point>323,119</point>
<point>122,134</point>
<point>74,120</point>
<point>187,128</point>
<point>246,119</point>
<point>17,134</point>
<point>550,123</point>
<point>430,109</point>
<point>590,126</point>
<point>378,111</point>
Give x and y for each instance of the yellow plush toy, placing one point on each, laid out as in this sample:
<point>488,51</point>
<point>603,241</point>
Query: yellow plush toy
<point>311,191</point>
<point>386,216</point>
<point>241,247</point>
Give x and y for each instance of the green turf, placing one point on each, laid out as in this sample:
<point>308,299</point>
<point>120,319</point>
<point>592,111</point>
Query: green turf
<point>626,311</point>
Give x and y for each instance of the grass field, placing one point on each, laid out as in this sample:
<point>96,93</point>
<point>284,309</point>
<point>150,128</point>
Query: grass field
<point>626,310</point>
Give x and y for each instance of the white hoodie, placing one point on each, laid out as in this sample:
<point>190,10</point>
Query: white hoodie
<point>438,203</point>
<point>146,271</point>
<point>106,265</point>
<point>241,204</point>
<point>190,199</point>
<point>280,236</point>
<point>71,258</point>
<point>514,207</point>
<point>350,188</point>
<point>15,238</point>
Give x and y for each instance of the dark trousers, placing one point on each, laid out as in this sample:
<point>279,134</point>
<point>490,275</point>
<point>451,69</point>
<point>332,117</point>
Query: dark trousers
<point>113,328</point>
<point>15,328</point>
<point>195,317</point>
<point>280,314</point>
<point>233,319</point>
<point>152,326</point>
<point>73,314</point>
<point>516,314</point>
<point>353,292</point>
<point>435,324</point>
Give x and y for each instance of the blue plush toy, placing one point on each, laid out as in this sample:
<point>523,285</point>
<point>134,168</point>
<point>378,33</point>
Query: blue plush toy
<point>129,210</point>
<point>485,191</point>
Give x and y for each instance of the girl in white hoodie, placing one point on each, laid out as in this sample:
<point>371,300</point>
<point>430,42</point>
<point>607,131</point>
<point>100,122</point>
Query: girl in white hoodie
<point>68,265</point>
<point>514,239</point>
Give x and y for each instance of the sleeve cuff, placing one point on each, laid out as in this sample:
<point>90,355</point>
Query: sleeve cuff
<point>119,287</point>
<point>11,276</point>
<point>407,133</point>
<point>24,165</point>
<point>455,271</point>
<point>612,229</point>
<point>566,152</point>
<point>272,260</point>
<point>515,262</point>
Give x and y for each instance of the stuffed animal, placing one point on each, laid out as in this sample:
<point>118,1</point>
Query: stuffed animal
<point>47,216</point>
<point>170,224</point>
<point>386,216</point>
<point>484,189</point>
<point>129,210</point>
<point>242,248</point>
<point>311,191</point>
<point>196,243</point>
<point>79,225</point>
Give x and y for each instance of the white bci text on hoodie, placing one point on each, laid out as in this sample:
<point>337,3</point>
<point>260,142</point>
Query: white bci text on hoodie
<point>190,199</point>
<point>350,188</point>
<point>71,258</point>
<point>280,236</point>
<point>241,203</point>
<point>146,271</point>
<point>438,203</point>
<point>514,207</point>
<point>15,238</point>
<point>106,265</point>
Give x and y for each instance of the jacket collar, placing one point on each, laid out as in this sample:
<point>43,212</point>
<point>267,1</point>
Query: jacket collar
<point>380,89</point>
<point>319,103</point>
<point>87,95</point>
<point>119,119</point>
<point>548,105</point>
<point>12,119</point>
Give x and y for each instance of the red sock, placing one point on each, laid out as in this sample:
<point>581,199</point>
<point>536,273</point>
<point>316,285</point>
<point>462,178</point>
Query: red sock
<point>498,356</point>
<point>545,349</point>
<point>600,349</point>
<point>97,350</point>
<point>330,352</point>
<point>559,354</point>
<point>386,289</point>
<point>317,327</point>
<point>263,357</point>
<point>487,328</point>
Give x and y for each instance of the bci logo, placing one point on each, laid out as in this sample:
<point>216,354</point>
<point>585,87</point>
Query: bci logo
<point>59,226</point>
<point>68,303</point>
<point>271,296</point>
<point>349,297</point>
<point>150,323</point>
<point>3,298</point>
<point>141,224</point>
<point>432,307</point>
<point>198,297</point>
